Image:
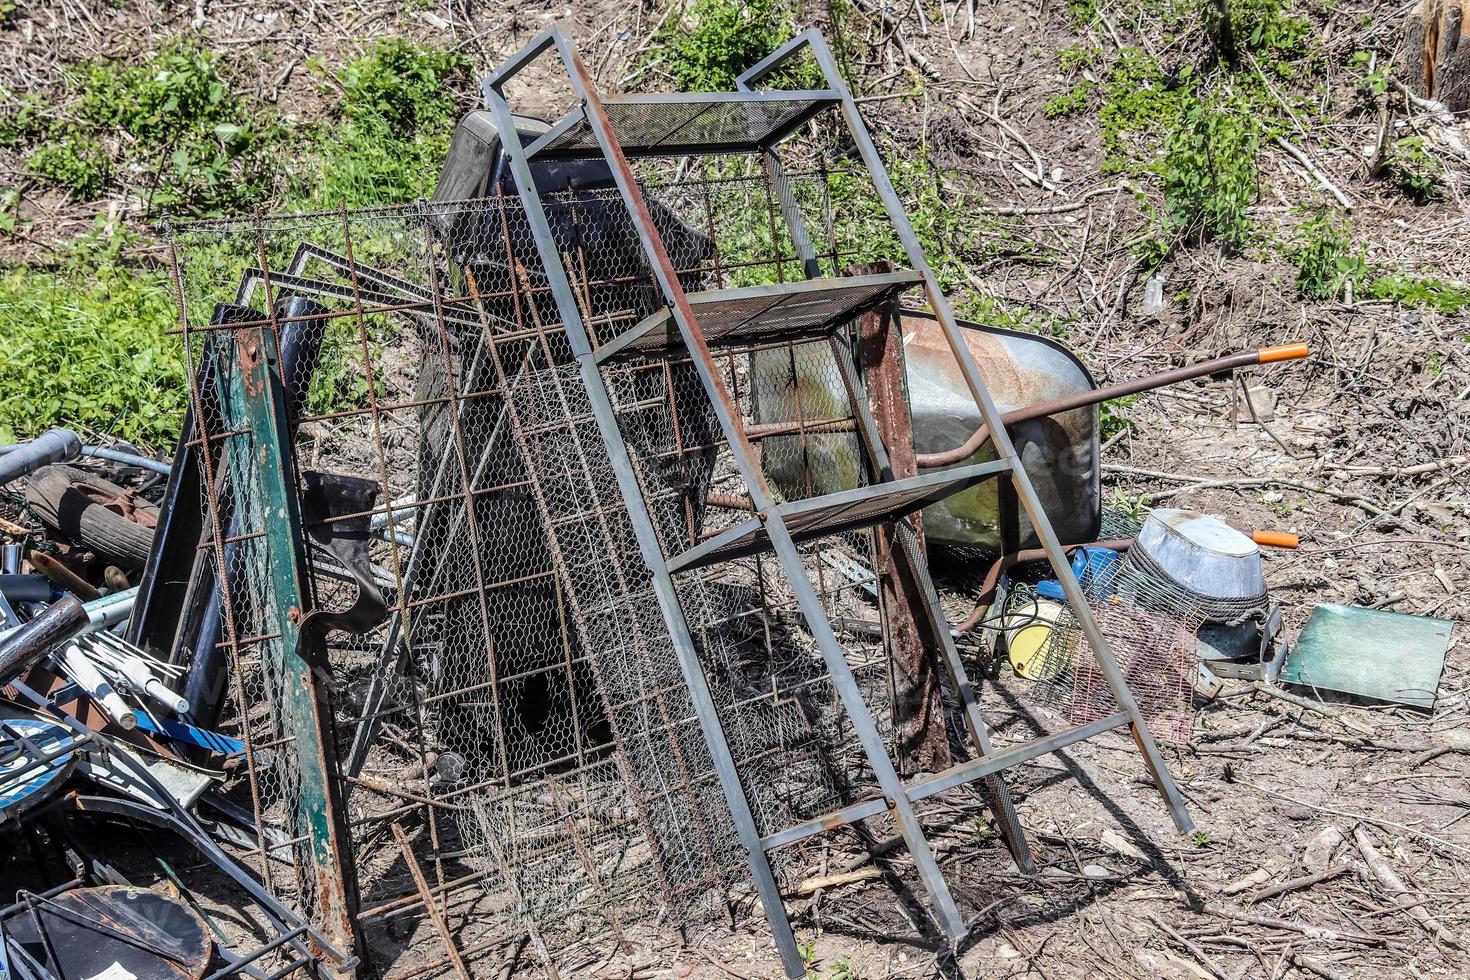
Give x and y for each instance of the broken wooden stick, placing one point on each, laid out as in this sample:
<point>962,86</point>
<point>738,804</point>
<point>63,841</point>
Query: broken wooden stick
<point>1400,892</point>
<point>1305,881</point>
<point>1325,933</point>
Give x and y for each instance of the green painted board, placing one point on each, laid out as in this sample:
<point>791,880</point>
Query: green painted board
<point>1372,653</point>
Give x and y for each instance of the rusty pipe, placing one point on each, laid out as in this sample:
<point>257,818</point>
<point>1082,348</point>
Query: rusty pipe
<point>1230,362</point>
<point>992,577</point>
<point>25,647</point>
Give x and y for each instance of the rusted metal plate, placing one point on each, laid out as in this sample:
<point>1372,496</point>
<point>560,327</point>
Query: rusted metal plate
<point>263,472</point>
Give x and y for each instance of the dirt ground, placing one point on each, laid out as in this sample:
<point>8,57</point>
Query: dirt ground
<point>1365,458</point>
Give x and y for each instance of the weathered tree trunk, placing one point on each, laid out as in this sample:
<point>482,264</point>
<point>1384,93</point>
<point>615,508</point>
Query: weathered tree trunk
<point>1435,58</point>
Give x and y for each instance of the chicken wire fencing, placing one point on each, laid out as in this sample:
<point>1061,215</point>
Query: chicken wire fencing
<point>1151,628</point>
<point>515,746</point>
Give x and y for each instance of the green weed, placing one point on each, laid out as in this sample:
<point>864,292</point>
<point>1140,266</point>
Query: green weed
<point>707,47</point>
<point>1376,80</point>
<point>1421,293</point>
<point>1209,172</point>
<point>399,103</point>
<point>1325,258</point>
<point>185,138</point>
<point>75,163</point>
<point>1133,508</point>
<point>1414,171</point>
<point>1113,418</point>
<point>1069,103</point>
<point>1141,107</point>
<point>1270,29</point>
<point>87,345</point>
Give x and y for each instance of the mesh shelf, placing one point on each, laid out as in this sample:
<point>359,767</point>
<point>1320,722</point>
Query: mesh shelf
<point>673,125</point>
<point>762,314</point>
<point>834,513</point>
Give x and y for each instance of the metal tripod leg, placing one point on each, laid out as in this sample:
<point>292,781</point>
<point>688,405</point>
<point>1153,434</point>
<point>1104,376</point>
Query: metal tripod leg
<point>783,545</point>
<point>928,600</point>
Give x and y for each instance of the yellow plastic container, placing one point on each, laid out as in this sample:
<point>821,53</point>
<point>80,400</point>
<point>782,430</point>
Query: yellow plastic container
<point>1027,628</point>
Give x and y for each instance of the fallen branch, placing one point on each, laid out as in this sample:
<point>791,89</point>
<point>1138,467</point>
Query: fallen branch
<point>1261,687</point>
<point>1074,205</point>
<point>1399,891</point>
<point>1314,965</point>
<point>1430,839</point>
<point>1305,881</point>
<point>1208,483</point>
<point>1417,469</point>
<point>1193,948</point>
<point>1327,185</point>
<point>1323,933</point>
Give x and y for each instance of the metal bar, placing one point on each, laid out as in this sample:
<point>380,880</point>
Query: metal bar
<point>516,62</point>
<point>565,125</point>
<point>256,399</point>
<point>886,428</point>
<point>728,543</point>
<point>643,528</point>
<point>977,768</point>
<point>944,316</point>
<point>1083,399</point>
<point>821,825</point>
<point>809,602</point>
<point>436,916</point>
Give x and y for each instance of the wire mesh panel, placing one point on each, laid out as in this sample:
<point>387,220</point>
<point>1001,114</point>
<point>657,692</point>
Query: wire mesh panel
<point>1152,631</point>
<point>673,125</point>
<point>505,690</point>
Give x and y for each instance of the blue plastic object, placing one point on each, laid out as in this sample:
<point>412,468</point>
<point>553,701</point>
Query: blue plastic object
<point>1089,564</point>
<point>1050,589</point>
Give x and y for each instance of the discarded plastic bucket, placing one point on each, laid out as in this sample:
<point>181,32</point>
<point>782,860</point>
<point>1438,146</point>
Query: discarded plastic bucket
<point>1027,628</point>
<point>1094,564</point>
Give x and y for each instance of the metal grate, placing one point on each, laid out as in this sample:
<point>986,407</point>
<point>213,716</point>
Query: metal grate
<point>763,314</point>
<point>517,707</point>
<point>675,125</point>
<point>1152,631</point>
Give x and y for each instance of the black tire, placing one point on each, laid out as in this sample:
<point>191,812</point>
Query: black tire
<point>72,501</point>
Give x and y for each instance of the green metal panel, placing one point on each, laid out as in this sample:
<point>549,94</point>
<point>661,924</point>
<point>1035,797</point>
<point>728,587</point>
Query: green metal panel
<point>262,486</point>
<point>1372,653</point>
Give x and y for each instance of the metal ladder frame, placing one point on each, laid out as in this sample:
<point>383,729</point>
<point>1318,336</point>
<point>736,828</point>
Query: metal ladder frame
<point>898,799</point>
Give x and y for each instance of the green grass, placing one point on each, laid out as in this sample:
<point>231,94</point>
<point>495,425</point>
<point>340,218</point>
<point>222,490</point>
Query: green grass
<point>706,46</point>
<point>183,137</point>
<point>390,130</point>
<point>88,347</point>
<point>1421,293</point>
<point>1325,257</point>
<point>85,341</point>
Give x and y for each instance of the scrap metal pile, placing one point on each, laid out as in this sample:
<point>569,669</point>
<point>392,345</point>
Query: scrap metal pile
<point>541,563</point>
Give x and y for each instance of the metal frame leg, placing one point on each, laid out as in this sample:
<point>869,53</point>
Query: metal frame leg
<point>785,548</point>
<point>647,537</point>
<point>813,41</point>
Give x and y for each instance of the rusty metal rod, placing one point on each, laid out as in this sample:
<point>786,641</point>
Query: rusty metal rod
<point>992,577</point>
<point>1230,362</point>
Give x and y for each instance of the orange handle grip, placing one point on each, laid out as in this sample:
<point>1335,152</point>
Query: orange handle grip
<point>1275,539</point>
<point>1286,352</point>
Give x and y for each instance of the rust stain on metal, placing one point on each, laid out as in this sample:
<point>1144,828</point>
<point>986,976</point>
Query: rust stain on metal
<point>918,706</point>
<point>247,342</point>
